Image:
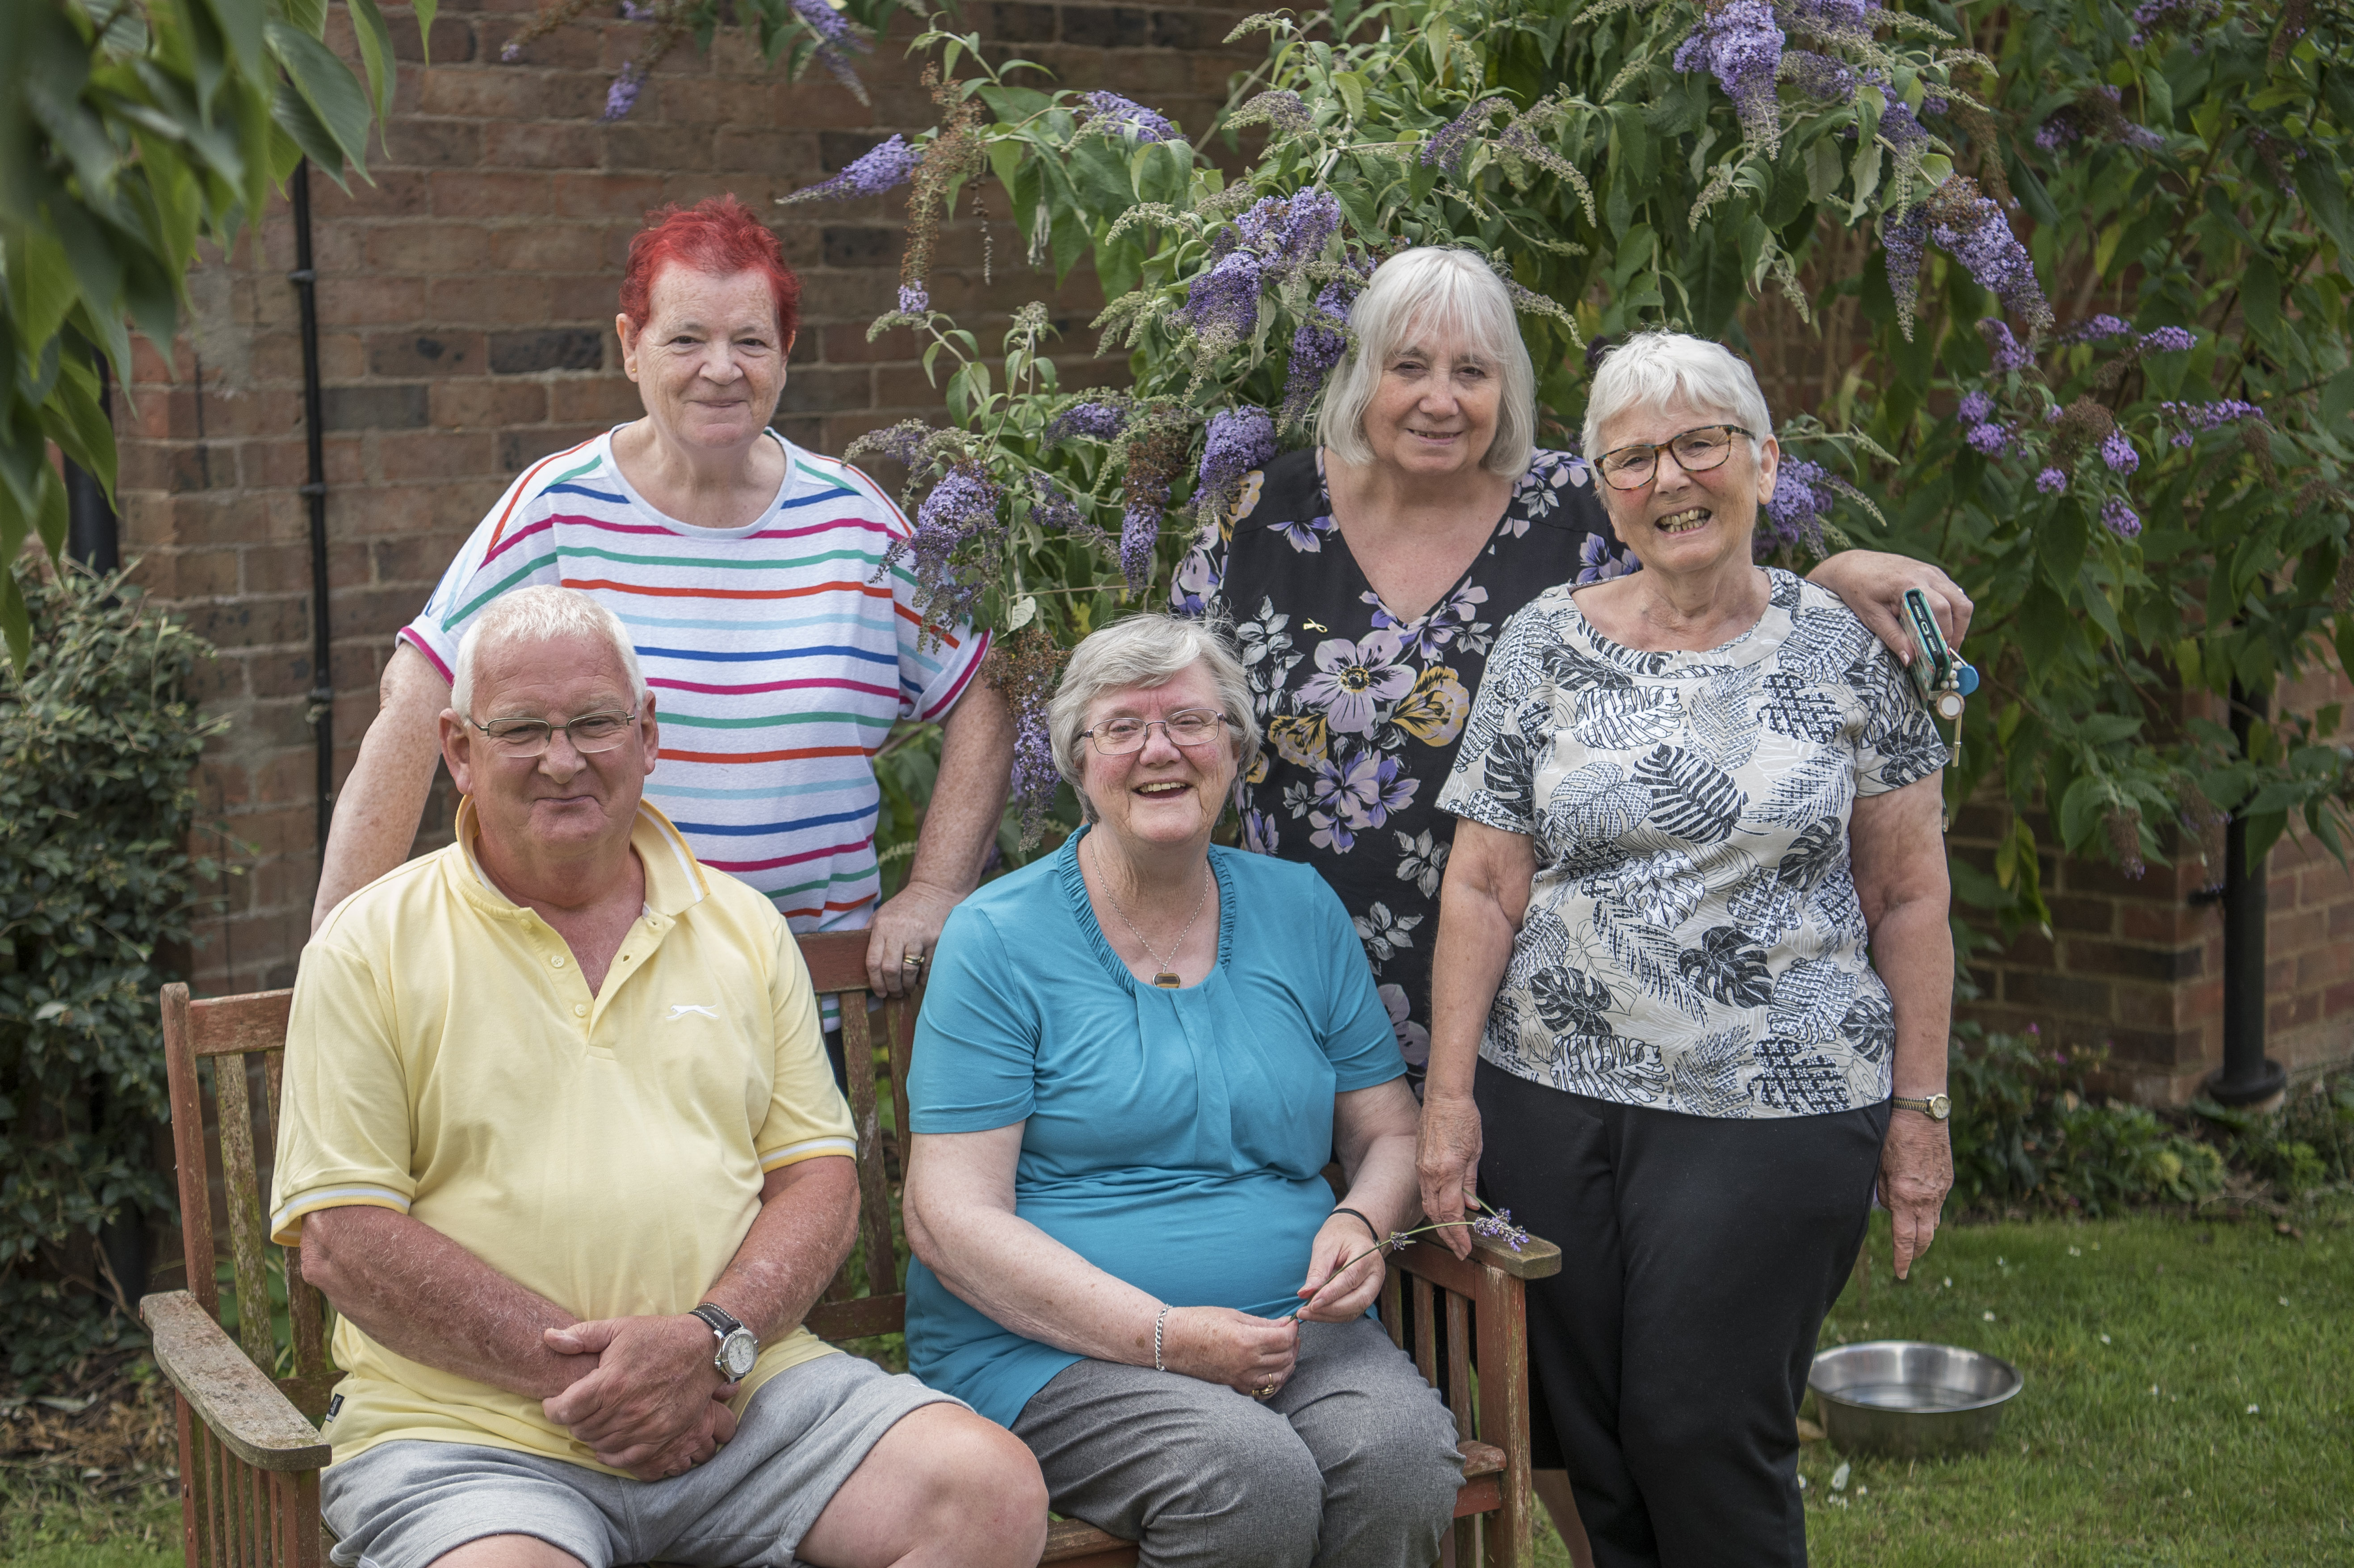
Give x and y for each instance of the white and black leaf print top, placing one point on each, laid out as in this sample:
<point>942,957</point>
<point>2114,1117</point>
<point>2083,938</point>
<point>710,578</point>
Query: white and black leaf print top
<point>1692,939</point>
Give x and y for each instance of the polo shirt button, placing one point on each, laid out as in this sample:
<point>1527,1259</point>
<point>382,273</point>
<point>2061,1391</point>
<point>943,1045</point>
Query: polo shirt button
<point>579,1010</point>
<point>557,960</point>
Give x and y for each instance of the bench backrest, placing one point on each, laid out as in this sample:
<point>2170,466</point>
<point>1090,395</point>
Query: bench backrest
<point>231,1050</point>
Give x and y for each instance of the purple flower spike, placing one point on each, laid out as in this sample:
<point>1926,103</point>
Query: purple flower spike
<point>1239,440</point>
<point>1315,349</point>
<point>623,96</point>
<point>2008,353</point>
<point>2117,451</point>
<point>1975,409</point>
<point>1125,117</point>
<point>877,170</point>
<point>2120,519</point>
<point>1975,233</point>
<point>831,26</point>
<point>1139,532</point>
<point>2168,340</point>
<point>1448,145</point>
<point>2051,482</point>
<point>1802,498</point>
<point>1740,43</point>
<point>1989,438</point>
<point>915,300</point>
<point>1099,422</point>
<point>1904,238</point>
<point>1223,302</point>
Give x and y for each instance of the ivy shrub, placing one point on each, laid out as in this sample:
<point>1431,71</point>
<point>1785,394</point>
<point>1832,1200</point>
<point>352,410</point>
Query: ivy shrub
<point>97,738</point>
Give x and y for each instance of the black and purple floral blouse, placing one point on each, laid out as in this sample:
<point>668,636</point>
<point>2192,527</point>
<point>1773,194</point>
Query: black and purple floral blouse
<point>1362,710</point>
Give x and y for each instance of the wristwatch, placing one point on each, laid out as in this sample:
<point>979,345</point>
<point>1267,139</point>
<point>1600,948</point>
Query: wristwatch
<point>737,1349</point>
<point>1936,1107</point>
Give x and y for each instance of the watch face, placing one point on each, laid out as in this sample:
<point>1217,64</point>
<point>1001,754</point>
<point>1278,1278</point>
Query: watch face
<point>737,1352</point>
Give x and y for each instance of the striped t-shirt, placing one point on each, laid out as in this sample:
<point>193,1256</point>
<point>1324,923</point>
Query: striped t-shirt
<point>780,654</point>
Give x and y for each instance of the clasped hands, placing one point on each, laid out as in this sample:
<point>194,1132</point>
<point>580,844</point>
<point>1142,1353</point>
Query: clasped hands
<point>646,1396</point>
<point>1254,1356</point>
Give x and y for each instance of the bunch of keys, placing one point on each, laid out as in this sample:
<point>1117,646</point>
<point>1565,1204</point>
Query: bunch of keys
<point>1943,676</point>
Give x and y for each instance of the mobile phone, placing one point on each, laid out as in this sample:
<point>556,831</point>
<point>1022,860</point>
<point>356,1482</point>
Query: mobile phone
<point>1943,676</point>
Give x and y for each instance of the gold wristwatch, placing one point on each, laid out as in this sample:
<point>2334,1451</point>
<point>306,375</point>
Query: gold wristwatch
<point>1936,1107</point>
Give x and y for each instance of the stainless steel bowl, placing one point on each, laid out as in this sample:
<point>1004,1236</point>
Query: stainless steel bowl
<point>1909,1400</point>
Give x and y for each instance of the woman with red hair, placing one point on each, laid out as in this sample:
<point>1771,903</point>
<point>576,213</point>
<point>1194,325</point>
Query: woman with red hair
<point>752,576</point>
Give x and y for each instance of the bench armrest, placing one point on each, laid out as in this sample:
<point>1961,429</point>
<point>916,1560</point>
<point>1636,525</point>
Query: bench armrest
<point>235,1399</point>
<point>1537,1259</point>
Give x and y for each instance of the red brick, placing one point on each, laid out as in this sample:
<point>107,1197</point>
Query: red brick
<point>2291,1012</point>
<point>498,404</point>
<point>540,144</point>
<point>628,196</point>
<point>431,454</point>
<point>490,194</point>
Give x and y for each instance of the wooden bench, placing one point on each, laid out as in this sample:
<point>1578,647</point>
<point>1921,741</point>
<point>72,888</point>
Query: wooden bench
<point>250,1451</point>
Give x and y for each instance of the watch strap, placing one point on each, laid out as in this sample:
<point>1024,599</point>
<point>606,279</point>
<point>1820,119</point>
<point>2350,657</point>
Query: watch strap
<point>717,1320</point>
<point>1926,1104</point>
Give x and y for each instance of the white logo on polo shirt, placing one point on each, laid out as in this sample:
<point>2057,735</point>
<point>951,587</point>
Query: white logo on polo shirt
<point>679,1010</point>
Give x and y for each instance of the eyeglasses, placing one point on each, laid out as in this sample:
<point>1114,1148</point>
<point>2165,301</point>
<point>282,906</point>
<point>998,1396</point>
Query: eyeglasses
<point>590,734</point>
<point>1697,451</point>
<point>1119,737</point>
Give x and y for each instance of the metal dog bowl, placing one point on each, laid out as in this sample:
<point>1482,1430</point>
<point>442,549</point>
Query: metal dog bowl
<point>1909,1400</point>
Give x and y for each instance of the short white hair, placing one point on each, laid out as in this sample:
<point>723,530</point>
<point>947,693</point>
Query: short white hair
<point>545,613</point>
<point>1653,369</point>
<point>1144,650</point>
<point>1433,288</point>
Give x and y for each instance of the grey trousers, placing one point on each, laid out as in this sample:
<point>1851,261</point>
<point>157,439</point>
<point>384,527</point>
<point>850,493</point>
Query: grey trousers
<point>1353,1465</point>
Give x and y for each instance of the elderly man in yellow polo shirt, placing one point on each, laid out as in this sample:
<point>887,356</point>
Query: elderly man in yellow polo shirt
<point>560,1143</point>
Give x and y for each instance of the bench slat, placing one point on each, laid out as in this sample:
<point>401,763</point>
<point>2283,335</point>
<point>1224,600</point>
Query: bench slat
<point>1071,1544</point>
<point>857,1318</point>
<point>228,1025</point>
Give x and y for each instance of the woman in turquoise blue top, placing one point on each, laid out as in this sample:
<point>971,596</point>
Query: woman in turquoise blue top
<point>1135,1058</point>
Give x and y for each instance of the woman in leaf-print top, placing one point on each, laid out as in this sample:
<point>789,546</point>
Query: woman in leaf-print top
<point>1366,580</point>
<point>1692,933</point>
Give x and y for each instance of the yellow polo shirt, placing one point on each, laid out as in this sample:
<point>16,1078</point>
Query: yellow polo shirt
<point>445,1059</point>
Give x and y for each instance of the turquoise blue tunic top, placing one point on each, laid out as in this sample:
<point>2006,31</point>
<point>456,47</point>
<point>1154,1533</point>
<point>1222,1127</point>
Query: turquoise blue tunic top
<point>1172,1139</point>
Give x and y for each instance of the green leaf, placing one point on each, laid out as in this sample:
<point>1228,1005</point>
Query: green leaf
<point>326,86</point>
<point>2336,402</point>
<point>41,286</point>
<point>426,11</point>
<point>2325,197</point>
<point>2081,810</point>
<point>241,23</point>
<point>376,54</point>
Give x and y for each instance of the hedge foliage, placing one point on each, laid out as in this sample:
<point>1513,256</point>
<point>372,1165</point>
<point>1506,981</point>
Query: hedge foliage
<point>97,738</point>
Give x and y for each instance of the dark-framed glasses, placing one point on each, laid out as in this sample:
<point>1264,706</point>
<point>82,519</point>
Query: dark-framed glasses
<point>590,734</point>
<point>1696,451</point>
<point>1194,726</point>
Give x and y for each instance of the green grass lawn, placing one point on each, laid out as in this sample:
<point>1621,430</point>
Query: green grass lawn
<point>2189,1398</point>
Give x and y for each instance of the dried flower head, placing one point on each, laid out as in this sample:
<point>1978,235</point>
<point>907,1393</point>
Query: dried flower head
<point>1283,113</point>
<point>2082,425</point>
<point>2123,825</point>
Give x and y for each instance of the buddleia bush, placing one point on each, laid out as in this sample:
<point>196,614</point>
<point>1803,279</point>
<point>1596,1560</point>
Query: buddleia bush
<point>98,739</point>
<point>2094,259</point>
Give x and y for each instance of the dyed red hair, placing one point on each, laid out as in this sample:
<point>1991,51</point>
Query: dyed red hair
<point>719,237</point>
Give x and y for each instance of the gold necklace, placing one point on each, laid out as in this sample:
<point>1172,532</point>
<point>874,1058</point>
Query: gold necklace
<point>1168,977</point>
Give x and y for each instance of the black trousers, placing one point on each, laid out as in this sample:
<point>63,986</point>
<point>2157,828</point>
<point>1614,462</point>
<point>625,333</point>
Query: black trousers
<point>1668,1357</point>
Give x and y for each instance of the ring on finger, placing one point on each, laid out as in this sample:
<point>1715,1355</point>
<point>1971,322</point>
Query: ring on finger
<point>1264,1390</point>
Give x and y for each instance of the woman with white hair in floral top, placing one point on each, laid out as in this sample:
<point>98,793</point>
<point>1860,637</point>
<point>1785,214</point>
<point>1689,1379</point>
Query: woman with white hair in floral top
<point>1366,578</point>
<point>1693,939</point>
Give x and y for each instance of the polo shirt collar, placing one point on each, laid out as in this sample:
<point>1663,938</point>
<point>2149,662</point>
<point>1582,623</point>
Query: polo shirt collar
<point>675,880</point>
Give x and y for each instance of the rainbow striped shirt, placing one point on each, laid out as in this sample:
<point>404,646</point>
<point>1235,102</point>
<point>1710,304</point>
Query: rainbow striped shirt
<point>780,654</point>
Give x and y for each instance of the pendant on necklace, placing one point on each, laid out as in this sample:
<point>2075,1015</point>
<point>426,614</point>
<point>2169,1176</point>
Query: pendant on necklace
<point>1167,980</point>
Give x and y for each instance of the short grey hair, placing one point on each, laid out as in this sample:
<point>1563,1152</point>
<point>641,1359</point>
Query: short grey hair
<point>540,614</point>
<point>1147,651</point>
<point>1653,369</point>
<point>1421,290</point>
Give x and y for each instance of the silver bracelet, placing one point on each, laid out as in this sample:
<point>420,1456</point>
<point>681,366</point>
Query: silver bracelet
<point>1158,1365</point>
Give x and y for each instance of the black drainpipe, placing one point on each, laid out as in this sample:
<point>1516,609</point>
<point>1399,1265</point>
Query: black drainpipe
<point>2248,1077</point>
<point>94,531</point>
<point>305,278</point>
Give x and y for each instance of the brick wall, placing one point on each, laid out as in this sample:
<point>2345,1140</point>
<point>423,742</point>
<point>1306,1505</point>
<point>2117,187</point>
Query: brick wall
<point>2136,964</point>
<point>466,301</point>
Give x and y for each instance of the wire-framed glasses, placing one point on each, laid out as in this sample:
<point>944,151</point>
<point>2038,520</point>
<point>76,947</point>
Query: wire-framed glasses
<point>590,734</point>
<point>1696,451</point>
<point>1194,726</point>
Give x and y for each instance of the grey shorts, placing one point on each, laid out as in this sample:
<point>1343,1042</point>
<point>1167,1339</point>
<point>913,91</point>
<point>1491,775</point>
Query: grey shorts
<point>405,1503</point>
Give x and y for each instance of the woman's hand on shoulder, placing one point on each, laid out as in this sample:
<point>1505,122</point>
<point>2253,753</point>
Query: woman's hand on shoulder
<point>1872,583</point>
<point>1344,1271</point>
<point>1218,1344</point>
